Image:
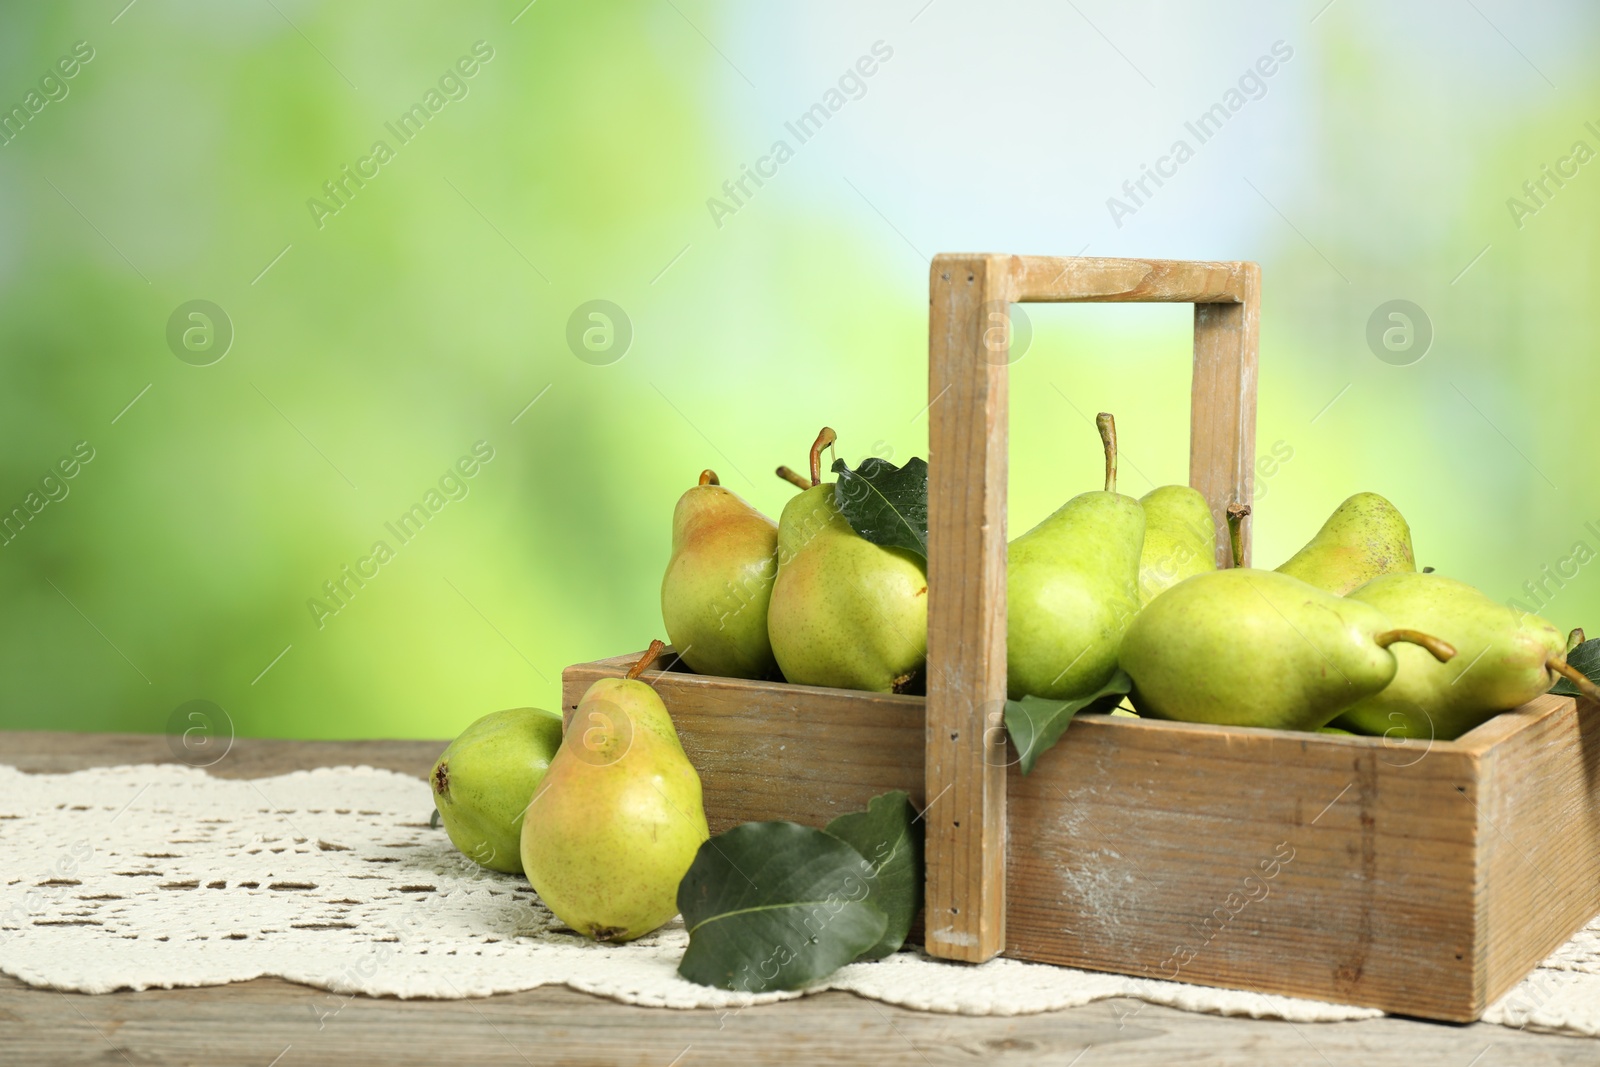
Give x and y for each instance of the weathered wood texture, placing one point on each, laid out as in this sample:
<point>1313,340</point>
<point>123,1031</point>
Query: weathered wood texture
<point>968,355</point>
<point>793,752</point>
<point>1313,865</point>
<point>968,348</point>
<point>61,752</point>
<point>1041,279</point>
<point>1538,834</point>
<point>249,1023</point>
<point>1222,406</point>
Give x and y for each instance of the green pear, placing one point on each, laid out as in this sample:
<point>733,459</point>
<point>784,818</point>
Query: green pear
<point>844,612</point>
<point>1364,537</point>
<point>619,818</point>
<point>482,782</point>
<point>1072,588</point>
<point>1505,660</point>
<point>1245,647</point>
<point>1180,539</point>
<point>718,582</point>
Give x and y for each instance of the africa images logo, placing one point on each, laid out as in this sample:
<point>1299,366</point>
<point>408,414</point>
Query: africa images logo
<point>53,88</point>
<point>1252,85</point>
<point>736,192</point>
<point>452,85</point>
<point>454,484</point>
<point>1537,192</point>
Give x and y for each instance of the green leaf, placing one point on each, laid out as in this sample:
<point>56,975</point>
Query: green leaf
<point>1586,658</point>
<point>1036,724</point>
<point>775,905</point>
<point>885,504</point>
<point>889,837</point>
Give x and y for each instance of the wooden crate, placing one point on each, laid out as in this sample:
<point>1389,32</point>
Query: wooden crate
<point>1423,880</point>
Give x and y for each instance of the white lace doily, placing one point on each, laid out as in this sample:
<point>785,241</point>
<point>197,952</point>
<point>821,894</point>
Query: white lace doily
<point>163,876</point>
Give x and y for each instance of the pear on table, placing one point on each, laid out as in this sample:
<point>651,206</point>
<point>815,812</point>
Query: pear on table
<point>718,583</point>
<point>619,817</point>
<point>1072,588</point>
<point>1245,647</point>
<point>844,612</point>
<point>1364,537</point>
<point>484,779</point>
<point>1507,658</point>
<point>1180,539</point>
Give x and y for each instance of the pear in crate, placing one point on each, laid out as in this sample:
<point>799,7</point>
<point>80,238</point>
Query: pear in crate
<point>1245,647</point>
<point>619,817</point>
<point>484,779</point>
<point>1180,539</point>
<point>1507,658</point>
<point>1364,537</point>
<point>1072,588</point>
<point>718,582</point>
<point>845,612</point>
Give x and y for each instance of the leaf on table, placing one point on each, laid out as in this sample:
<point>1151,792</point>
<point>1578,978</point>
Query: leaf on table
<point>885,504</point>
<point>1035,724</point>
<point>775,905</point>
<point>1586,658</point>
<point>889,837</point>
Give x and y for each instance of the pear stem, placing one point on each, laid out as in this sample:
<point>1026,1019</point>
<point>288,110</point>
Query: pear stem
<point>709,477</point>
<point>649,657</point>
<point>1107,425</point>
<point>1236,516</point>
<point>1441,650</point>
<point>1572,674</point>
<point>793,477</point>
<point>1575,638</point>
<point>825,439</point>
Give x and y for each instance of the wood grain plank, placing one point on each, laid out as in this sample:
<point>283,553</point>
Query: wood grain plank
<point>1539,837</point>
<point>1081,278</point>
<point>967,470</point>
<point>1222,405</point>
<point>60,752</point>
<point>247,1024</point>
<point>1333,868</point>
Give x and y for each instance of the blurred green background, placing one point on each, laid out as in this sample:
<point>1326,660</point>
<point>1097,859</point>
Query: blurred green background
<point>373,347</point>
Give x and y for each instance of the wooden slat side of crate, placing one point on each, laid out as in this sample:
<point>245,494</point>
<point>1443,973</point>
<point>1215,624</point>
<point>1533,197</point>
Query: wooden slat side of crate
<point>770,751</point>
<point>1312,865</point>
<point>1539,837</point>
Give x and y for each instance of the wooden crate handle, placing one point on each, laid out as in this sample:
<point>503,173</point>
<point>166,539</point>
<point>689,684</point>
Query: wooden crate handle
<point>968,350</point>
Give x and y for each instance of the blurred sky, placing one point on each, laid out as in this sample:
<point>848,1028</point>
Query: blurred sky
<point>373,352</point>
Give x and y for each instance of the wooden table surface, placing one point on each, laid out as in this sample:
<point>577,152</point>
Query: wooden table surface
<point>273,1023</point>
